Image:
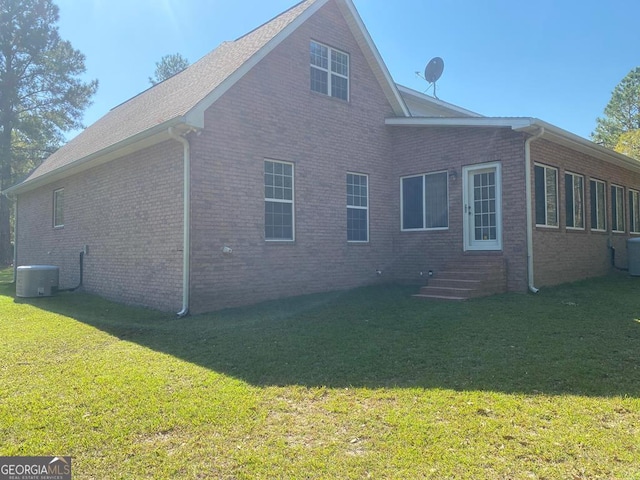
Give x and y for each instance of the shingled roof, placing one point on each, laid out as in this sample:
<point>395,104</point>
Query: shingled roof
<point>178,101</point>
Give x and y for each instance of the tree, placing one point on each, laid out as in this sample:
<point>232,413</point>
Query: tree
<point>629,144</point>
<point>622,113</point>
<point>41,94</point>
<point>168,66</point>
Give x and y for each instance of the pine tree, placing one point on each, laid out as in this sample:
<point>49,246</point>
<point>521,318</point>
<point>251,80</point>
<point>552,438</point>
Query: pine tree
<point>168,66</point>
<point>622,113</point>
<point>41,94</point>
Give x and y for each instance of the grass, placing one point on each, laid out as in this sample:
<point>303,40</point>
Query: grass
<point>363,384</point>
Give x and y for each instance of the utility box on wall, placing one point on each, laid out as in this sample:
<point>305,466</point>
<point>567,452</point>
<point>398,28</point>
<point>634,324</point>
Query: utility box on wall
<point>37,280</point>
<point>633,254</point>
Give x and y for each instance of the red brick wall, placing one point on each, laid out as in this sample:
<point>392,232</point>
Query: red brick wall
<point>428,149</point>
<point>272,114</point>
<point>129,211</point>
<point>129,214</point>
<point>564,255</point>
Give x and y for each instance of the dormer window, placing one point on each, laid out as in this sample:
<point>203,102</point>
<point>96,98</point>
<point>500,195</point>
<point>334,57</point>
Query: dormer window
<point>329,71</point>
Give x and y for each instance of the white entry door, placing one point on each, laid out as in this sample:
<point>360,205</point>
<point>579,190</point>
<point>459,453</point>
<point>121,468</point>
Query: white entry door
<point>482,207</point>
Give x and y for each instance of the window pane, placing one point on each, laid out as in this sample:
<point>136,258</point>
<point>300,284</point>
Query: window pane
<point>319,81</point>
<point>617,209</point>
<point>593,194</point>
<point>598,205</point>
<point>632,223</point>
<point>568,188</point>
<point>319,55</point>
<point>634,212</point>
<point>552,196</point>
<point>278,184</point>
<point>356,190</point>
<point>278,220</point>
<point>339,87</point>
<point>578,201</point>
<point>541,211</point>
<point>412,203</point>
<point>602,207</point>
<point>340,63</point>
<point>357,227</point>
<point>58,208</point>
<point>436,201</point>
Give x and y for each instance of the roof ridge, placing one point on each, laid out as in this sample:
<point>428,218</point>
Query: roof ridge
<point>274,18</point>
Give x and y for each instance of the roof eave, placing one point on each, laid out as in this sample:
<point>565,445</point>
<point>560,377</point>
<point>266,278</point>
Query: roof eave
<point>495,122</point>
<point>526,125</point>
<point>145,139</point>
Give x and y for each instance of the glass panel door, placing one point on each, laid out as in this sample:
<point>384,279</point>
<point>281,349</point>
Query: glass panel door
<point>482,207</point>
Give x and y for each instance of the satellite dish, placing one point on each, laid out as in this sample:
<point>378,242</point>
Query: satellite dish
<point>433,71</point>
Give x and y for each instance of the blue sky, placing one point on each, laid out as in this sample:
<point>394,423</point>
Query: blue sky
<point>555,60</point>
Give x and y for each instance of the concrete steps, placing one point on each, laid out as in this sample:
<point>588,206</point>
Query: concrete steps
<point>469,276</point>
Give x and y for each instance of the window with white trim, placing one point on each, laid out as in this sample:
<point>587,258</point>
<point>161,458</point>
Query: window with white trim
<point>278,200</point>
<point>357,207</point>
<point>329,71</point>
<point>634,211</point>
<point>546,187</point>
<point>425,201</point>
<point>598,192</point>
<point>617,208</point>
<point>574,200</point>
<point>58,208</point>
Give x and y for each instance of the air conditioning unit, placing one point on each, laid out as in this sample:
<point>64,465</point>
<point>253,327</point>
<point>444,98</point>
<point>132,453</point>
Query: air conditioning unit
<point>37,280</point>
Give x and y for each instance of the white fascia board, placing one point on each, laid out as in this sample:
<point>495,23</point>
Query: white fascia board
<point>195,116</point>
<point>147,138</point>
<point>496,122</point>
<point>360,32</point>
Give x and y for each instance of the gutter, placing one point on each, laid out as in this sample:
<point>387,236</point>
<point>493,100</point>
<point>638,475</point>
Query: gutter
<point>186,228</point>
<point>529,205</point>
<point>128,145</point>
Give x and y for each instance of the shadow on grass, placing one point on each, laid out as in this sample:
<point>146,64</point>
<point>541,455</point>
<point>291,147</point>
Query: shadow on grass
<point>578,339</point>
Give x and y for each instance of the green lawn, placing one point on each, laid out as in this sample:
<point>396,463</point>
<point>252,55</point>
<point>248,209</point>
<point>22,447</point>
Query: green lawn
<point>363,384</point>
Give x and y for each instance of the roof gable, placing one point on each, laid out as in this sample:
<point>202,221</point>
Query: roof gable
<point>181,100</point>
<point>421,105</point>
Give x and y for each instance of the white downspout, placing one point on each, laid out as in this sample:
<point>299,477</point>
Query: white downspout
<point>15,239</point>
<point>527,161</point>
<point>186,230</point>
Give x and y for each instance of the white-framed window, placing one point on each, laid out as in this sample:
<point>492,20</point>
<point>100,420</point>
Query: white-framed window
<point>634,211</point>
<point>58,208</point>
<point>329,71</point>
<point>574,200</point>
<point>425,201</point>
<point>598,192</point>
<point>617,209</point>
<point>357,207</point>
<point>546,188</point>
<point>279,218</point>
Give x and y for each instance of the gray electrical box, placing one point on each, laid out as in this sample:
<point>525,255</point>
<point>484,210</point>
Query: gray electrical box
<point>633,254</point>
<point>37,280</point>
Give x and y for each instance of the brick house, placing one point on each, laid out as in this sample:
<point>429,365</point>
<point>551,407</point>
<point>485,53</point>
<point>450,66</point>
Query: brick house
<point>288,162</point>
